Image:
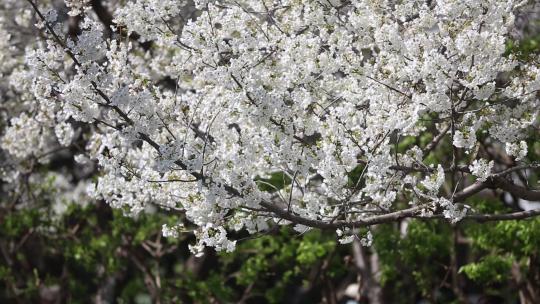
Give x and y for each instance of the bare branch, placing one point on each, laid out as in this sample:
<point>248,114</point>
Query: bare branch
<point>503,217</point>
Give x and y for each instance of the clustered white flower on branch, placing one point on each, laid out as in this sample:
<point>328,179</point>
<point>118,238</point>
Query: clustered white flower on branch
<point>369,111</point>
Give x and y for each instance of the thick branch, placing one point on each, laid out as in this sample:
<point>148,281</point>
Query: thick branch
<point>378,219</point>
<point>503,217</point>
<point>521,192</point>
<point>496,182</point>
<point>469,191</point>
<point>392,217</point>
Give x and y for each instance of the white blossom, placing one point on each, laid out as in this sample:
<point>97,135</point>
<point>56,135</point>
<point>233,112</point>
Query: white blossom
<point>434,181</point>
<point>65,133</point>
<point>367,240</point>
<point>347,239</point>
<point>518,150</point>
<point>481,169</point>
<point>451,211</point>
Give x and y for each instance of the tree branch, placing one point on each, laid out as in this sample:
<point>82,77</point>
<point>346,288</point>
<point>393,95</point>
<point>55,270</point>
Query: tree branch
<point>378,219</point>
<point>503,217</point>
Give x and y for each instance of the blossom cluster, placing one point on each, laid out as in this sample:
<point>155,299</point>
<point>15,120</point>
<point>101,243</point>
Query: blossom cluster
<point>191,109</point>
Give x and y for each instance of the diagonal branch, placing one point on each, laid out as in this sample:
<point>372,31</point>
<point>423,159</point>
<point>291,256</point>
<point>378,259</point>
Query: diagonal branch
<point>378,219</point>
<point>503,217</point>
<point>497,182</point>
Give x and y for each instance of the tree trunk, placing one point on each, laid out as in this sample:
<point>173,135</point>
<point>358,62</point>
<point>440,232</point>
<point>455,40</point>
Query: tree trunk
<point>368,267</point>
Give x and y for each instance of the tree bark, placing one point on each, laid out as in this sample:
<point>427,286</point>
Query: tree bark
<point>367,267</point>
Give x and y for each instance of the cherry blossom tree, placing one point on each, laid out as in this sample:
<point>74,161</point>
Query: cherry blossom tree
<point>247,115</point>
